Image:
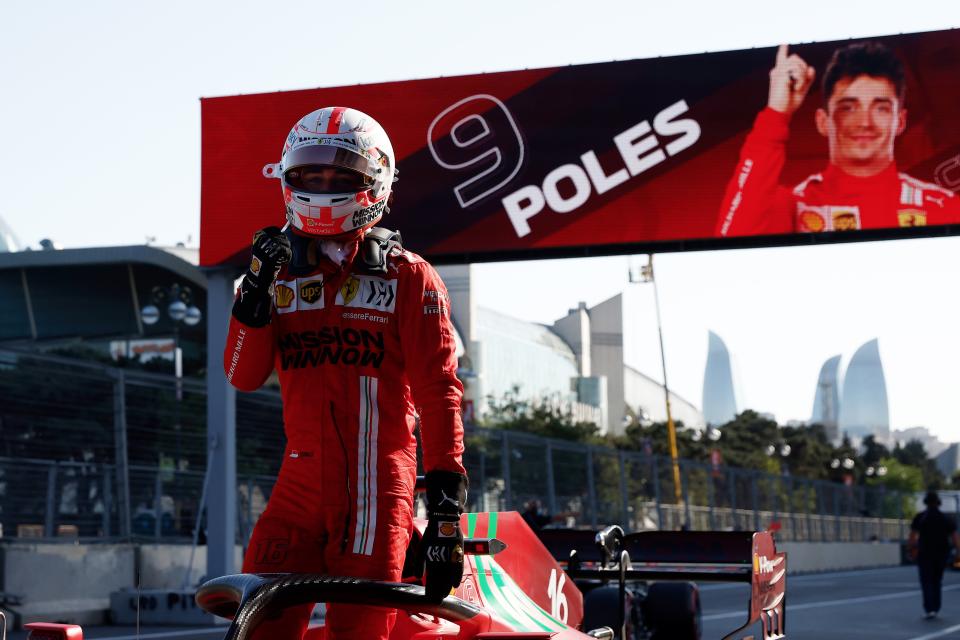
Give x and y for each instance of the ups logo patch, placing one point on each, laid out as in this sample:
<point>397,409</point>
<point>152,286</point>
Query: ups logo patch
<point>311,291</point>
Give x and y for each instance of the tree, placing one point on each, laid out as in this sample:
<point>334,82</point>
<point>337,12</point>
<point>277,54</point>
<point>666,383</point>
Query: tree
<point>914,454</point>
<point>514,413</point>
<point>874,452</point>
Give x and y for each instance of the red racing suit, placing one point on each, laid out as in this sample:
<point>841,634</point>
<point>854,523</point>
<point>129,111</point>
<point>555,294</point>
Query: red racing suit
<point>756,204</point>
<point>352,352</point>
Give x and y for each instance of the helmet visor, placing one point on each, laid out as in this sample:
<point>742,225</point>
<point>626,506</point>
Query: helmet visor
<point>325,179</point>
<point>326,154</point>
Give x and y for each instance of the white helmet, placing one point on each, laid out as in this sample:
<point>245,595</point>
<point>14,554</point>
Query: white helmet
<point>345,139</point>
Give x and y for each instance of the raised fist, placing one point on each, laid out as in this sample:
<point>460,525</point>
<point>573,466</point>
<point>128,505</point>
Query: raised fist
<point>790,80</point>
<point>271,250</point>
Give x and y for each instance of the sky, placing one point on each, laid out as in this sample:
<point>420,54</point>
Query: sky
<point>100,145</point>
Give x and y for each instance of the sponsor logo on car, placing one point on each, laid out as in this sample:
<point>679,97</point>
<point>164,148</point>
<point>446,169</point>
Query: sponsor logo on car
<point>763,564</point>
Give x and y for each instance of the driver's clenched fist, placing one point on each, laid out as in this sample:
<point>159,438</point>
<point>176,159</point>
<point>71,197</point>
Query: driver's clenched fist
<point>790,80</point>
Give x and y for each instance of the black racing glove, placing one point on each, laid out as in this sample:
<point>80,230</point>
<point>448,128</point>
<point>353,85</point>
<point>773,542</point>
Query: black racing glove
<point>442,544</point>
<point>271,250</point>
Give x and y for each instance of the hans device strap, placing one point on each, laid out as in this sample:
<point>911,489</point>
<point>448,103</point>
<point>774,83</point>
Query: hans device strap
<point>374,249</point>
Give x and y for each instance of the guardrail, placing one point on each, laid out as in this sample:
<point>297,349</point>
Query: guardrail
<point>96,452</point>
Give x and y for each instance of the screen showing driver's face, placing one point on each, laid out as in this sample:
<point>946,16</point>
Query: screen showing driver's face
<point>862,119</point>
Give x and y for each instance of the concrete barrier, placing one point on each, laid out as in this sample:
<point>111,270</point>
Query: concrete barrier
<point>65,582</point>
<point>809,557</point>
<point>164,566</point>
<point>73,583</point>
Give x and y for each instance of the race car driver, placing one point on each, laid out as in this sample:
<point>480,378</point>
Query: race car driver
<point>358,330</point>
<point>862,114</point>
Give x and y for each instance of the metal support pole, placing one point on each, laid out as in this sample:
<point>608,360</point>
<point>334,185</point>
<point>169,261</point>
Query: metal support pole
<point>157,503</point>
<point>121,457</point>
<point>732,489</point>
<point>197,521</point>
<point>903,532</point>
<point>656,490</point>
<point>483,480</point>
<point>248,530</point>
<point>791,507</point>
<point>880,514</point>
<point>505,470</point>
<point>591,488</point>
<point>836,515</point>
<point>624,502</point>
<point>107,502</point>
<point>50,523</point>
<point>710,498</point>
<point>813,487</point>
<point>551,485</point>
<point>685,483</point>
<point>773,499</point>
<point>755,498</point>
<point>221,429</point>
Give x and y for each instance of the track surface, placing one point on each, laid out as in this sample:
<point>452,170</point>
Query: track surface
<point>876,604</point>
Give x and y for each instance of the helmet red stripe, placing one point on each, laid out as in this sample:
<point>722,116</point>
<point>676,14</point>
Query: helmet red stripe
<point>336,117</point>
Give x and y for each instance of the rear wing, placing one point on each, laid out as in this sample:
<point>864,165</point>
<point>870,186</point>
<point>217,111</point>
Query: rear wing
<point>698,556</point>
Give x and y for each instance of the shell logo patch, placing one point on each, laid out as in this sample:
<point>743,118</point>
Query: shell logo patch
<point>448,529</point>
<point>284,296</point>
<point>349,290</point>
<point>255,265</point>
<point>811,221</point>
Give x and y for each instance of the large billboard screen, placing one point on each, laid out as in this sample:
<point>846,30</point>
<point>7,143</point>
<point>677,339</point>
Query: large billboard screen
<point>780,145</point>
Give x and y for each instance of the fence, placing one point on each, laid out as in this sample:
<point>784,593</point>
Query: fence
<point>592,486</point>
<point>96,452</point>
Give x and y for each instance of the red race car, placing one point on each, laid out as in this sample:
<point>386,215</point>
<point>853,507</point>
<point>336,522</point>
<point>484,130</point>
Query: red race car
<point>610,585</point>
<point>563,584</point>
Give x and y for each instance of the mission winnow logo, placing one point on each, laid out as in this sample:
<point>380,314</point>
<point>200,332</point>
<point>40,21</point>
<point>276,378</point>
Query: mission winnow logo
<point>331,345</point>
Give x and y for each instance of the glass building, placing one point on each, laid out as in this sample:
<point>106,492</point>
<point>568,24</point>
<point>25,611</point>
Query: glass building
<point>826,400</point>
<point>719,388</point>
<point>863,401</point>
<point>8,240</point>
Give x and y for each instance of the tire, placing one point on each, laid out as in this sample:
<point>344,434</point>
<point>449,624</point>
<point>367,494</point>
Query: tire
<point>671,611</point>
<point>600,609</point>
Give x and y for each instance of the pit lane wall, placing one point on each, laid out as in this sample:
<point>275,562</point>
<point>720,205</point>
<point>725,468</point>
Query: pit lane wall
<point>813,557</point>
<point>73,583</point>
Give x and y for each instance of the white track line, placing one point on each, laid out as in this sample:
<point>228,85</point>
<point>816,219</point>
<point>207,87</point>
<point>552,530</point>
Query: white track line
<point>803,577</point>
<point>167,634</point>
<point>832,603</point>
<point>938,634</point>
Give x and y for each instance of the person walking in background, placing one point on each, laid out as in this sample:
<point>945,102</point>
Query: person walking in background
<point>930,536</point>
